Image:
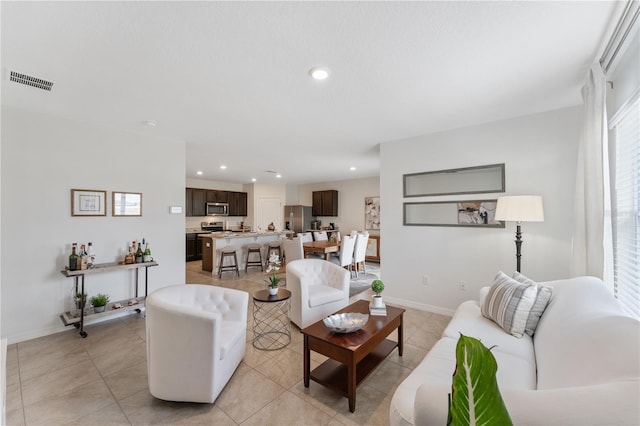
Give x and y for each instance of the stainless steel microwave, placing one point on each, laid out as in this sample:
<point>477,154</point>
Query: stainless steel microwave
<point>217,209</point>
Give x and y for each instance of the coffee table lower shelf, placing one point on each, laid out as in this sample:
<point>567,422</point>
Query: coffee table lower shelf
<point>333,374</point>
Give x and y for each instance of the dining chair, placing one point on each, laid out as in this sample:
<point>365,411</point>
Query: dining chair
<point>292,249</point>
<point>320,236</point>
<point>345,255</point>
<point>305,237</point>
<point>360,251</point>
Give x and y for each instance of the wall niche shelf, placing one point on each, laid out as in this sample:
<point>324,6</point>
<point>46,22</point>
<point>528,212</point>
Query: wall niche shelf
<point>467,180</point>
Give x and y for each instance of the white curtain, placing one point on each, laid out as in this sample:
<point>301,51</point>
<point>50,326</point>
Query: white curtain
<point>592,192</point>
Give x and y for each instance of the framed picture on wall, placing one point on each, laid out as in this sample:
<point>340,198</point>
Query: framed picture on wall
<point>372,213</point>
<point>88,202</point>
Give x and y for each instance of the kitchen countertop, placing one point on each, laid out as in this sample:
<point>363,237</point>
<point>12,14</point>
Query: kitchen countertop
<point>219,235</point>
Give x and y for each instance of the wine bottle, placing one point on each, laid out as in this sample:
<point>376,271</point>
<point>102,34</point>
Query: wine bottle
<point>139,254</point>
<point>91,256</point>
<point>82,258</point>
<point>147,254</point>
<point>73,257</point>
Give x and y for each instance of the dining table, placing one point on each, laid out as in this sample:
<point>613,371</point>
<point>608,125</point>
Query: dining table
<point>321,247</point>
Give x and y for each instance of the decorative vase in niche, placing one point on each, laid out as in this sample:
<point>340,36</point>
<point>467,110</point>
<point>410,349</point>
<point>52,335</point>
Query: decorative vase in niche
<point>377,302</point>
<point>273,291</point>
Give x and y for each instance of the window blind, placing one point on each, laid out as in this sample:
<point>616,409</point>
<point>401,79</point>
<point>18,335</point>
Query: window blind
<point>626,206</point>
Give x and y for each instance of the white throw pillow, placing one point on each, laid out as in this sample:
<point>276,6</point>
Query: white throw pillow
<point>509,303</point>
<point>542,300</point>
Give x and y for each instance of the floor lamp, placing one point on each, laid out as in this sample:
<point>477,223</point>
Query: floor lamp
<point>518,209</point>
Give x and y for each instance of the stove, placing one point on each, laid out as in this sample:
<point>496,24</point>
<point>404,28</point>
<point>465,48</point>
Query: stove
<point>212,226</point>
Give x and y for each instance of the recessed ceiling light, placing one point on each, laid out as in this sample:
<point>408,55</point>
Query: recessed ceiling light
<point>278,175</point>
<point>223,167</point>
<point>199,172</point>
<point>319,73</point>
<point>253,179</point>
<point>150,123</point>
<point>352,168</point>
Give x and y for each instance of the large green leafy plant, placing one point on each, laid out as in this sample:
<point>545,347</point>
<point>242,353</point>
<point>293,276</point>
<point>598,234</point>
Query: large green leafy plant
<point>475,397</point>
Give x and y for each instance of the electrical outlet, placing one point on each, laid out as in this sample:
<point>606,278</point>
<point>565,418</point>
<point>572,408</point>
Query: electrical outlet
<point>425,280</point>
<point>462,285</point>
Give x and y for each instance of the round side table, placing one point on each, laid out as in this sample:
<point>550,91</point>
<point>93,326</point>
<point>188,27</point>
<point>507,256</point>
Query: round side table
<point>271,327</point>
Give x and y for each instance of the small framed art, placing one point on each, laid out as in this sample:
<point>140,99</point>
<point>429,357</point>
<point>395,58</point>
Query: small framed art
<point>88,202</point>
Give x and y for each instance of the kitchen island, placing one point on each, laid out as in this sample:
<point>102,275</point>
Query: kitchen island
<point>214,242</point>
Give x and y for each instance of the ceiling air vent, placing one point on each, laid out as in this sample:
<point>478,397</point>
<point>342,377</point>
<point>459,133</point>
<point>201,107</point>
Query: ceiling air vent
<point>31,81</point>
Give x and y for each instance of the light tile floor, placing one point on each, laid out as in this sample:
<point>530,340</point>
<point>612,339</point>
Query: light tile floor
<point>63,379</point>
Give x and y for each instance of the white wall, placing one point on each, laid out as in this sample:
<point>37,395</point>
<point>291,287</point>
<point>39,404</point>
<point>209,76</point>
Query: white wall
<point>43,158</point>
<point>351,194</point>
<point>539,152</point>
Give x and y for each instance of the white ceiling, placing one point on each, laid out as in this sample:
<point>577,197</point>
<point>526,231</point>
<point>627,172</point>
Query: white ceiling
<point>230,78</point>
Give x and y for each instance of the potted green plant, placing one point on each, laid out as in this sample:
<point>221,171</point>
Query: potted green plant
<point>377,286</point>
<point>99,302</point>
<point>81,300</point>
<point>273,280</point>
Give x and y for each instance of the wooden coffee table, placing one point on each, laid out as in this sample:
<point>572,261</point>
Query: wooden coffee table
<point>352,356</point>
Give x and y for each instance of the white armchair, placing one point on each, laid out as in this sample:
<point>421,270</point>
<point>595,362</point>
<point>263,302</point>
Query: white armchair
<point>196,337</point>
<point>318,288</point>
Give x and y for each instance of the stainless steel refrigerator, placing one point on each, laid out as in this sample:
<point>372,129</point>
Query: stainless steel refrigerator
<point>297,218</point>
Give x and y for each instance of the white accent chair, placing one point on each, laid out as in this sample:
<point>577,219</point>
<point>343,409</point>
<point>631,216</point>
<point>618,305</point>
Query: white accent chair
<point>360,251</point>
<point>320,236</point>
<point>292,249</point>
<point>318,288</point>
<point>345,255</point>
<point>196,338</point>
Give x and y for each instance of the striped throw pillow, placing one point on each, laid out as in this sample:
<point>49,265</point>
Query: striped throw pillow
<point>542,300</point>
<point>509,303</point>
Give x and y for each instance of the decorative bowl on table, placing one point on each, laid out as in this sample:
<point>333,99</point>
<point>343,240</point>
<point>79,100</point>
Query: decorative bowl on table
<point>345,323</point>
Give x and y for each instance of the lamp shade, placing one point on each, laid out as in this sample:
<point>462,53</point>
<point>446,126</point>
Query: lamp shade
<point>520,208</point>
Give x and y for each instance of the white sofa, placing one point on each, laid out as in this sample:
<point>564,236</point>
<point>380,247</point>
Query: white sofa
<point>318,288</point>
<point>196,338</point>
<point>582,366</point>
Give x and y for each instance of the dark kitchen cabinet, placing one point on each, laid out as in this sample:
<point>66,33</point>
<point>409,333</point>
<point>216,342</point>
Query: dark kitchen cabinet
<point>324,203</point>
<point>196,200</point>
<point>194,247</point>
<point>237,203</point>
<point>216,196</point>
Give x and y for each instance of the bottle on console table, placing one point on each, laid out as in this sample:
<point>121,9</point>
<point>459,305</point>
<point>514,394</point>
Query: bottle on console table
<point>73,257</point>
<point>139,254</point>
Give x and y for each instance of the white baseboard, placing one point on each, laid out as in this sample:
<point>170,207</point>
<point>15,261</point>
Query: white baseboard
<point>420,306</point>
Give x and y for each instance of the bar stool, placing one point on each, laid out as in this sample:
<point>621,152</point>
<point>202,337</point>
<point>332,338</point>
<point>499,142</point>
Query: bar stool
<point>273,246</point>
<point>229,252</point>
<point>255,249</point>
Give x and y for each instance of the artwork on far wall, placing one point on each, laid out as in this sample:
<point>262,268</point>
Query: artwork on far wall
<point>372,213</point>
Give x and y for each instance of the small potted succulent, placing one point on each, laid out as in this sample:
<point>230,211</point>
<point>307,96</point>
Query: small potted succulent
<point>273,280</point>
<point>81,300</point>
<point>99,302</point>
<point>377,286</point>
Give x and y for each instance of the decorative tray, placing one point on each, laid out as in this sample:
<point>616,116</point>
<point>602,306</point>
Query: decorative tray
<point>345,323</point>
